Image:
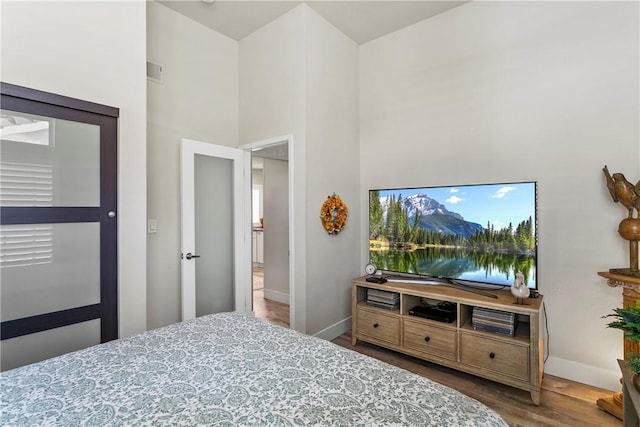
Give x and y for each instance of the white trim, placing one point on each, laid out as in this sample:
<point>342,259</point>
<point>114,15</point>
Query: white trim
<point>276,296</point>
<point>586,374</point>
<point>331,332</point>
<point>246,264</point>
<point>265,143</point>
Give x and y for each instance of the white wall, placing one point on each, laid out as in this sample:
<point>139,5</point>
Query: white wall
<point>516,91</point>
<point>276,230</point>
<point>272,80</point>
<point>257,177</point>
<point>298,75</point>
<point>332,167</point>
<point>94,51</point>
<point>272,103</point>
<point>197,99</point>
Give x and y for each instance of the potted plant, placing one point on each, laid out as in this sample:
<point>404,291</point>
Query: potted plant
<point>628,319</point>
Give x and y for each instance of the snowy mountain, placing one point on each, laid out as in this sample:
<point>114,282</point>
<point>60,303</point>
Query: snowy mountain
<point>426,206</point>
<point>434,216</point>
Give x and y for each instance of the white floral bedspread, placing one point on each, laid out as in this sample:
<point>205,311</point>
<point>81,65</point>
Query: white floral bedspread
<point>228,369</point>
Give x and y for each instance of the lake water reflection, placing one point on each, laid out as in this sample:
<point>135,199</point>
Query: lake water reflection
<point>456,263</point>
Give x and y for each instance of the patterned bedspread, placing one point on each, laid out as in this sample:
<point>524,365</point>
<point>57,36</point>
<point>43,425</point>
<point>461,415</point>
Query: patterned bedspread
<point>228,369</point>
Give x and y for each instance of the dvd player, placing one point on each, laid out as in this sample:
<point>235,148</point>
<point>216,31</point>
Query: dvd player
<point>434,313</point>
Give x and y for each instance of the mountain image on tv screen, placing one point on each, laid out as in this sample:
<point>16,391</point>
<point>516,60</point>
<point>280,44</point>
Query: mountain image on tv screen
<point>480,233</point>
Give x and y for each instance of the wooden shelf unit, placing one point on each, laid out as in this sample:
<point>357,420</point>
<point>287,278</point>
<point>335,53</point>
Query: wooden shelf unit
<point>516,361</point>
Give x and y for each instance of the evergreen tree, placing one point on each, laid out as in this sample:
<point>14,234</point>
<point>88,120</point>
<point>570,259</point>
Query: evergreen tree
<point>375,215</point>
<point>403,222</point>
<point>391,225</point>
<point>416,227</point>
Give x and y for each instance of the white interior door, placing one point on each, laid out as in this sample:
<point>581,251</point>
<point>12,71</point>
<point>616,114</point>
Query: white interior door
<point>216,226</point>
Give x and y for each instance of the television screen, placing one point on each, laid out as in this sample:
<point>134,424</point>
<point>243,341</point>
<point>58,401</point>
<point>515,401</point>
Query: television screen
<point>467,233</point>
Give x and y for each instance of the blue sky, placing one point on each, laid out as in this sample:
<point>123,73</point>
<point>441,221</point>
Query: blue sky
<point>498,204</point>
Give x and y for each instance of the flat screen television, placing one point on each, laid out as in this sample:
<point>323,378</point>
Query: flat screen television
<point>480,234</point>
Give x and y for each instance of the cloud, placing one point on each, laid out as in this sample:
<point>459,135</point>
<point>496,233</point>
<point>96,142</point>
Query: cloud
<point>501,192</point>
<point>453,200</point>
<point>454,190</point>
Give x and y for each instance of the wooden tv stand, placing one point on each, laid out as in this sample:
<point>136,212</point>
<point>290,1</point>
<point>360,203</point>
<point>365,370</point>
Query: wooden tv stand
<point>516,361</point>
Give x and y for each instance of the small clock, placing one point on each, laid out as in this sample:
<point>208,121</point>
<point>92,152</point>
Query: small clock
<point>370,269</point>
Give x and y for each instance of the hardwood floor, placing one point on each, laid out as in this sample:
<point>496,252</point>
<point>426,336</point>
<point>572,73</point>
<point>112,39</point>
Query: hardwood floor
<point>272,311</point>
<point>563,402</point>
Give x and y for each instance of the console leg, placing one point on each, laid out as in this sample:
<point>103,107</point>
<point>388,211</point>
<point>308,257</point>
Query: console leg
<point>535,396</point>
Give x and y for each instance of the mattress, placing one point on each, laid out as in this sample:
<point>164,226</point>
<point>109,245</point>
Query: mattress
<point>228,369</point>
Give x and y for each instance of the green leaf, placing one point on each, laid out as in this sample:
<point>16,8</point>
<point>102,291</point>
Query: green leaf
<point>628,320</point>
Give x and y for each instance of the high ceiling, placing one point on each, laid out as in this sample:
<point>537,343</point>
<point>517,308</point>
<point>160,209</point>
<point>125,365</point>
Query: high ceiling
<point>361,20</point>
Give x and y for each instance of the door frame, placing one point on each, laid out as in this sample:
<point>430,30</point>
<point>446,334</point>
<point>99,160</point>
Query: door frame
<point>259,145</point>
<point>242,215</point>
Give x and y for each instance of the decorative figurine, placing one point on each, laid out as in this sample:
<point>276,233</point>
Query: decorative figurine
<point>519,288</point>
<point>628,195</point>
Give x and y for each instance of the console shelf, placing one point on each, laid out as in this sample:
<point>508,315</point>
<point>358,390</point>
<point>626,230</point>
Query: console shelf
<point>512,360</point>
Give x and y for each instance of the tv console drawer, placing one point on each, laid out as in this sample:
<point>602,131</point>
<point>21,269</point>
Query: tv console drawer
<point>499,356</point>
<point>379,325</point>
<point>430,339</point>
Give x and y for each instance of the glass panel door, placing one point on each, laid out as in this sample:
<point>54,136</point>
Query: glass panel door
<point>58,226</point>
<point>216,222</point>
<point>214,235</point>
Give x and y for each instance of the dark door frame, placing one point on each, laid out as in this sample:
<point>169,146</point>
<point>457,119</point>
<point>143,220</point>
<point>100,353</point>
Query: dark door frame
<point>26,100</point>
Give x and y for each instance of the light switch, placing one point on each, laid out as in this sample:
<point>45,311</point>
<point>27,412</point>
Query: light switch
<point>152,225</point>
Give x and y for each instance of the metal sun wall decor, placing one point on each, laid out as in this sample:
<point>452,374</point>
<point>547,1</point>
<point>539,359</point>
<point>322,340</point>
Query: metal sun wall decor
<point>628,195</point>
<point>333,214</point>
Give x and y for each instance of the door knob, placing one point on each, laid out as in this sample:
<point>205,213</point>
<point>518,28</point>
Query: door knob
<point>190,255</point>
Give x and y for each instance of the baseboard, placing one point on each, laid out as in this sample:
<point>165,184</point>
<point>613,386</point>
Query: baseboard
<point>586,374</point>
<point>276,296</point>
<point>335,330</point>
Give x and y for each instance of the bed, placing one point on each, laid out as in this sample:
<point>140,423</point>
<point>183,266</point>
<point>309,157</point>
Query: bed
<point>228,369</point>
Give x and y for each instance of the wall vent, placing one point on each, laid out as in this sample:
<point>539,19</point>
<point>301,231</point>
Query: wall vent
<point>154,72</point>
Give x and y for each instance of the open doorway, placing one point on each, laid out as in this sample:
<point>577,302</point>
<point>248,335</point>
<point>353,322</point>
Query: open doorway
<point>270,197</point>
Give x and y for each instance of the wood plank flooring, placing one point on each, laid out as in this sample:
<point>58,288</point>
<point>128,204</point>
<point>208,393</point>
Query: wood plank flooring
<point>269,310</point>
<point>563,402</point>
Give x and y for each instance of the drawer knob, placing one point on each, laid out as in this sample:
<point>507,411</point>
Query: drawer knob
<point>375,325</point>
<point>427,339</point>
<point>492,355</point>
